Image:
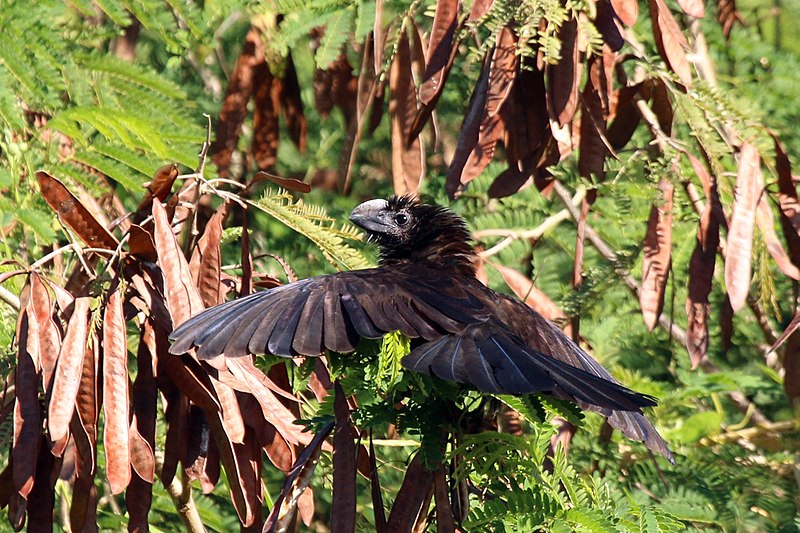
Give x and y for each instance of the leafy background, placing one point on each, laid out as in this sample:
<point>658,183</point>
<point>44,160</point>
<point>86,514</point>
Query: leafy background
<point>102,95</point>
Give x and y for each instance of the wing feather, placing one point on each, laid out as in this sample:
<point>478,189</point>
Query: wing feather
<point>258,342</point>
<point>332,312</point>
<point>359,318</point>
<point>282,337</point>
<point>309,335</point>
<point>516,369</point>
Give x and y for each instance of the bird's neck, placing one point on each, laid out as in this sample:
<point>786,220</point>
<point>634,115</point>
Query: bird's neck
<point>451,252</point>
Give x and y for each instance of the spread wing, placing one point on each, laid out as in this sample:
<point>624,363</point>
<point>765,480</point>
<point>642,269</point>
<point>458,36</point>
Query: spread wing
<point>488,358</point>
<point>492,360</point>
<point>332,312</point>
<point>459,321</point>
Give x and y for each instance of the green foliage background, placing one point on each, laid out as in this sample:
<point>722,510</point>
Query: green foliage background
<point>127,119</point>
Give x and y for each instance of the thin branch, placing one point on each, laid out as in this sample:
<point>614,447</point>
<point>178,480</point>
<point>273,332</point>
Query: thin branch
<point>529,235</point>
<point>181,493</point>
<point>9,298</point>
<point>752,433</point>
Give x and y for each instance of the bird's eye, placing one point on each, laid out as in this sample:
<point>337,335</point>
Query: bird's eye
<point>400,218</point>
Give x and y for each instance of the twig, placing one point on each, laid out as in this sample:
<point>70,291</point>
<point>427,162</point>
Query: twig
<point>181,494</point>
<point>751,433</point>
<point>9,298</point>
<point>42,260</point>
<point>203,155</point>
<point>533,234</point>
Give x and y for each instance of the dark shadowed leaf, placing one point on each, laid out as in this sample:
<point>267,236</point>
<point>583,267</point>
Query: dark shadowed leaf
<point>234,107</point>
<point>6,485</point>
<point>343,516</point>
<point>267,91</point>
<point>787,201</point>
<point>661,105</point>
<point>73,213</point>
<point>375,489</point>
<point>417,484</point>
<point>749,185</point>
<point>191,379</point>
<point>296,482</point>
<point>141,244</point>
<point>246,282</point>
<point>727,16</point>
<point>440,48</point>
<point>626,117</point>
<point>701,270</point>
<point>177,439</point>
<point>609,25</point>
<point>83,509</point>
<point>138,499</point>
<point>502,72</point>
<point>115,394</point>
<point>408,158</point>
<point>565,75</point>
<point>657,258</point>
<point>791,368</point>
<point>278,450</point>
<point>290,184</point>
<point>41,501</point>
<point>470,130</point>
<point>27,413</point>
<point>292,106</point>
<point>508,182</point>
<point>444,512</point>
<point>593,150</point>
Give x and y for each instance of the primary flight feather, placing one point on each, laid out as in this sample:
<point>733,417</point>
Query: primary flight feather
<point>424,287</point>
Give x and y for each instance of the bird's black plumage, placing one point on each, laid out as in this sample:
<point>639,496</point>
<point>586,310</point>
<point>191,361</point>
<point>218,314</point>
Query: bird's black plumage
<point>424,287</point>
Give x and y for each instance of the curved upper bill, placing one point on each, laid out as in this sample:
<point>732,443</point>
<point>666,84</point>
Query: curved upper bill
<point>371,215</point>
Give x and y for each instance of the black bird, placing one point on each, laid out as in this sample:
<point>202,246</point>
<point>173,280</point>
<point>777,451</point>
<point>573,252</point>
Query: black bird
<point>424,287</point>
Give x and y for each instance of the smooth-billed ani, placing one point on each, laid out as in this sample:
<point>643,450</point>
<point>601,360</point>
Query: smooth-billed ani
<point>424,287</point>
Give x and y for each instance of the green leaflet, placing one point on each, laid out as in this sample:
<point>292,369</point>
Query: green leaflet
<point>312,222</point>
<point>336,34</point>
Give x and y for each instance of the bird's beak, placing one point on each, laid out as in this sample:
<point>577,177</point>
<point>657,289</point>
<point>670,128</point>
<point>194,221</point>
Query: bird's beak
<point>371,216</point>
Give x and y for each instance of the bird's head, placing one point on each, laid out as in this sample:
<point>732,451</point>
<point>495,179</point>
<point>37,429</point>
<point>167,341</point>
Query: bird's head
<point>406,229</point>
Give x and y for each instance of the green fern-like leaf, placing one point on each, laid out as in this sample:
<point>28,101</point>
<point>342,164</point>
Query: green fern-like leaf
<point>312,222</point>
<point>336,33</point>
